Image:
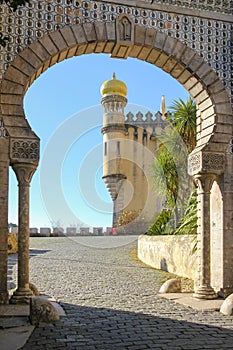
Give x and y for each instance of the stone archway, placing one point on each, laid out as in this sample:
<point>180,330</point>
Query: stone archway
<point>122,38</point>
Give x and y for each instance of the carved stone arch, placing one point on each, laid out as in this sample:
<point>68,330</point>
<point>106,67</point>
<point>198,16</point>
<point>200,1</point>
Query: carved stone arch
<point>214,125</point>
<point>214,117</point>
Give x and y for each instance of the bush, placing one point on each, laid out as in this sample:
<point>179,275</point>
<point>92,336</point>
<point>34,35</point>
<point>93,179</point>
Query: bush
<point>161,226</point>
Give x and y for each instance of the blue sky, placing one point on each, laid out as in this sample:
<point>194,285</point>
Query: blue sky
<point>63,108</point>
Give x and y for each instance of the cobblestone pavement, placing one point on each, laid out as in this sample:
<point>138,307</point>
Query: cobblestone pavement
<point>112,302</point>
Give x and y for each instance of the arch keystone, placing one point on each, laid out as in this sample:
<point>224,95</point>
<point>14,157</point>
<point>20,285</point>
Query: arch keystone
<point>124,36</point>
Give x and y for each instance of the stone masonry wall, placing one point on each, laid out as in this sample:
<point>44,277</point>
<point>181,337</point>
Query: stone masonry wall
<point>169,253</point>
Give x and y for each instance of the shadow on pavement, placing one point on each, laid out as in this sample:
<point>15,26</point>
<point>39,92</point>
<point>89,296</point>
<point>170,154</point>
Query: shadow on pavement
<point>89,328</point>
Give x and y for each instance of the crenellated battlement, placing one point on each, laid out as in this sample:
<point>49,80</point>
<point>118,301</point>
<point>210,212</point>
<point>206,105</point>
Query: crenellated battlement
<point>148,121</point>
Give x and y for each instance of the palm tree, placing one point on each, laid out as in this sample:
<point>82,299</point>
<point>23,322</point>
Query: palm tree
<point>183,119</point>
<point>169,168</point>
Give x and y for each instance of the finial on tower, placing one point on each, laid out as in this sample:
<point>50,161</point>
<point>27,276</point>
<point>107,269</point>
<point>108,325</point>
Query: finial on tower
<point>113,87</point>
<point>163,108</point>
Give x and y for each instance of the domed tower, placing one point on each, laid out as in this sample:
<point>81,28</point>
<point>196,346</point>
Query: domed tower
<point>114,99</point>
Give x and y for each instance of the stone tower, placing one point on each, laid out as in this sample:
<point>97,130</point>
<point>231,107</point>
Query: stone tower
<point>129,144</point>
<point>114,100</point>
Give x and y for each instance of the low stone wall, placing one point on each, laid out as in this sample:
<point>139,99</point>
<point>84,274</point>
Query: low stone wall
<point>169,253</point>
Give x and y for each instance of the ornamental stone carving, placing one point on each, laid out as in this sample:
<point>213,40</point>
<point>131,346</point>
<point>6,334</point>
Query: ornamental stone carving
<point>125,36</point>
<point>24,149</point>
<point>3,131</point>
<point>206,162</point>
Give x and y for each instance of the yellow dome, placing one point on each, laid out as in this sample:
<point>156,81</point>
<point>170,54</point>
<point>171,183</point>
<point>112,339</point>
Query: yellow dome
<point>113,87</point>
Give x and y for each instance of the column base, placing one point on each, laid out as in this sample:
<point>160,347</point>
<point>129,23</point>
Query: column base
<point>21,296</point>
<point>205,292</point>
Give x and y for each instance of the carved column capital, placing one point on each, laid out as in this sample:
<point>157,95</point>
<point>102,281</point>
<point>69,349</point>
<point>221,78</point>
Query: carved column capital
<point>204,182</point>
<point>24,172</point>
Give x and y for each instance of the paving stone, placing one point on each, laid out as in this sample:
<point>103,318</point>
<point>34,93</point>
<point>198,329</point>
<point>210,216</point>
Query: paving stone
<point>111,302</point>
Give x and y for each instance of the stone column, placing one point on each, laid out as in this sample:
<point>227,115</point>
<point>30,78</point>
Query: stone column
<point>204,184</point>
<point>4,183</point>
<point>24,173</point>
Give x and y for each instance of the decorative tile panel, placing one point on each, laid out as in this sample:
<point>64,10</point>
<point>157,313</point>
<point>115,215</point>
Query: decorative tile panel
<point>210,38</point>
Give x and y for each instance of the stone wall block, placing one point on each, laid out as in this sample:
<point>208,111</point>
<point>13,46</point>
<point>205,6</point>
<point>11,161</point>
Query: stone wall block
<point>169,45</point>
<point>178,50</point>
<point>79,34</point>
<point>169,65</point>
<point>210,78</point>
<point>177,70</point>
<point>223,108</point>
<point>31,58</point>
<point>201,97</point>
<point>152,57</point>
<point>89,29</point>
<point>58,40</point>
<point>62,55</point>
<point>100,47</point>
<point>221,138</point>
<point>11,87</point>
<point>162,59</point>
<point>196,90</point>
<point>71,52</point>
<point>150,37</point>
<point>108,48</point>
<point>208,122</point>
<point>14,110</point>
<point>224,119</point>
<point>111,31</point>
<point>54,59</point>
<point>135,51</point>
<point>48,45</point>
<point>90,47</point>
<point>207,112</point>
<point>159,40</point>
<point>144,52</point>
<point>187,56</point>
<point>68,36</point>
<point>81,49</point>
<point>203,70</point>
<point>11,121</point>
<point>195,63</point>
<point>23,66</point>
<point>220,97</point>
<point>216,87</point>
<point>190,82</point>
<point>16,76</point>
<point>139,35</point>
<point>205,104</point>
<point>39,51</point>
<point>9,98</point>
<point>223,128</point>
<point>100,30</point>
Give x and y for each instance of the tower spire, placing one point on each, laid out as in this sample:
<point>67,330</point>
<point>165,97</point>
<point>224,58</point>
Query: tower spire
<point>163,108</point>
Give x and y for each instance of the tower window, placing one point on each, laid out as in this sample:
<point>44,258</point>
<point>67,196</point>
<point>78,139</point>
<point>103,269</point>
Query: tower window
<point>105,148</point>
<point>118,148</point>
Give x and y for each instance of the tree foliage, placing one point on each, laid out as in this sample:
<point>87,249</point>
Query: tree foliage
<point>13,5</point>
<point>170,167</point>
<point>183,118</point>
<point>188,224</point>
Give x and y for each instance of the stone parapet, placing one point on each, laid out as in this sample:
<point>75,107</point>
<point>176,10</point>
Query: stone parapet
<point>169,253</point>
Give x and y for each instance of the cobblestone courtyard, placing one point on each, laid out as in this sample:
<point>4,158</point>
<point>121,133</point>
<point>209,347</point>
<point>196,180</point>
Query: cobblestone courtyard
<point>112,302</point>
